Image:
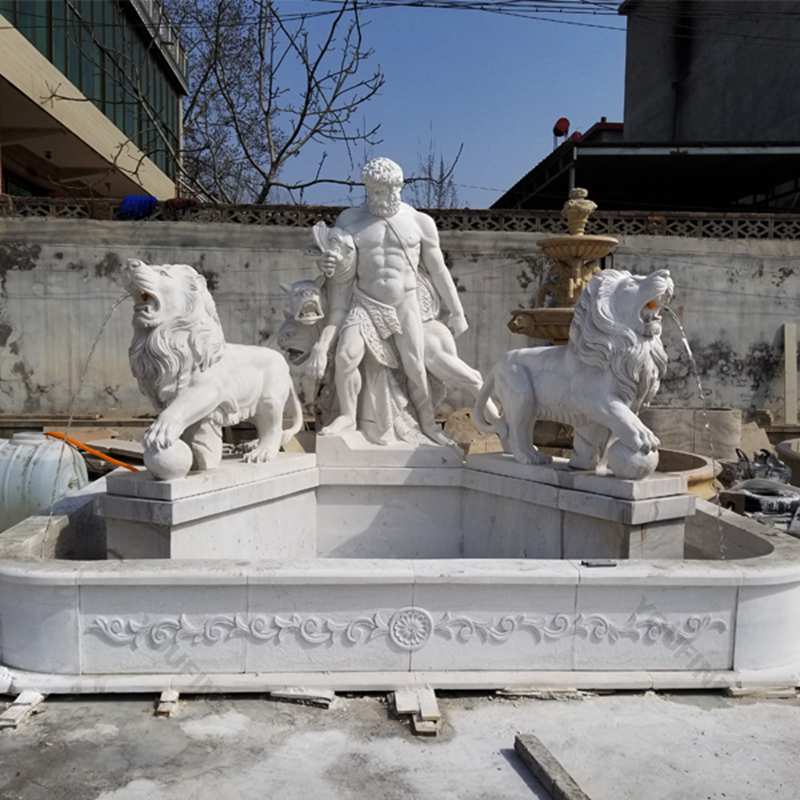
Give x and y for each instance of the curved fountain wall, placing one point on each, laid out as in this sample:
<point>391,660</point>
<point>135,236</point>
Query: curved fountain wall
<point>73,621</point>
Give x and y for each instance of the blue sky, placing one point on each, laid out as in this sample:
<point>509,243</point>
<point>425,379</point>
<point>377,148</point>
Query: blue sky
<point>495,83</point>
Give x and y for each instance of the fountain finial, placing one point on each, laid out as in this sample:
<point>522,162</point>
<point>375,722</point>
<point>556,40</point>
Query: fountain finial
<point>577,210</point>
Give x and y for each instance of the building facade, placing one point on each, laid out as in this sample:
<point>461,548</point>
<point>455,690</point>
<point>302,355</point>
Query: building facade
<point>91,95</point>
<point>712,115</point>
<point>713,71</point>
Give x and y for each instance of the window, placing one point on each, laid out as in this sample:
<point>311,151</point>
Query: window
<point>105,52</point>
<point>59,35</point>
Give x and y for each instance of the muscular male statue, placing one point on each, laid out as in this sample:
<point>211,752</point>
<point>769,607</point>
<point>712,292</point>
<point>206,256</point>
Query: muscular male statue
<point>391,240</point>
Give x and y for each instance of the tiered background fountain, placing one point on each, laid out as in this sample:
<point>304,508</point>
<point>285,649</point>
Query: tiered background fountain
<point>576,257</point>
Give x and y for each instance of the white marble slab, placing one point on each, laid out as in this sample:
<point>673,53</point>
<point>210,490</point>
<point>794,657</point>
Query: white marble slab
<point>38,625</point>
<point>389,476</point>
<point>629,512</point>
<point>389,521</point>
<point>217,501</point>
<point>767,627</point>
<point>226,476</point>
<point>560,474</point>
<point>491,626</point>
<point>501,527</point>
<point>353,450</point>
<point>135,630</point>
<point>655,627</point>
<point>333,627</point>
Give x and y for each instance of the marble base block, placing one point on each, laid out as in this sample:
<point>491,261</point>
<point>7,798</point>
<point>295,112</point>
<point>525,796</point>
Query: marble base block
<point>553,511</point>
<point>353,449</point>
<point>244,511</point>
<point>352,499</point>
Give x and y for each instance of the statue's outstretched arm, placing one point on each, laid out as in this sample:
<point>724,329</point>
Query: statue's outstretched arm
<point>339,295</point>
<point>433,259</point>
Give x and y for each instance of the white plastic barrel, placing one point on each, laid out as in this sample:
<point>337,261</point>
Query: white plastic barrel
<point>30,476</point>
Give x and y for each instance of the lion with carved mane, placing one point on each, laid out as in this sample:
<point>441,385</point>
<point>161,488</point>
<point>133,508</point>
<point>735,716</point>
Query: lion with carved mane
<point>610,369</point>
<point>196,380</point>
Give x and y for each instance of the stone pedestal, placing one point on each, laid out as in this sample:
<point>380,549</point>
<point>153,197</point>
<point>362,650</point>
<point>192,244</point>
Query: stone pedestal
<point>580,514</point>
<point>353,449</point>
<point>354,499</point>
<point>243,511</point>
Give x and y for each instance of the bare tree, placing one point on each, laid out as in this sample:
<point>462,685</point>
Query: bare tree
<point>266,84</point>
<point>433,183</point>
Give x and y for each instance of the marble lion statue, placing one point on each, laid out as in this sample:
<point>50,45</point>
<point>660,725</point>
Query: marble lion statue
<point>610,369</point>
<point>195,379</point>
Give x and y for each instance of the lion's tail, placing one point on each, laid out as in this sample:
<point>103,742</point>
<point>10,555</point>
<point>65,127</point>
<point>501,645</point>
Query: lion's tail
<point>482,415</point>
<point>297,410</point>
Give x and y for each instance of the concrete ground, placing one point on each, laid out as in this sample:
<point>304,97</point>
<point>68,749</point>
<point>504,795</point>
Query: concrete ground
<point>618,747</point>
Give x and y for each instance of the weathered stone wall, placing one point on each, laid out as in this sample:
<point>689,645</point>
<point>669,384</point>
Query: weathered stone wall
<point>60,278</point>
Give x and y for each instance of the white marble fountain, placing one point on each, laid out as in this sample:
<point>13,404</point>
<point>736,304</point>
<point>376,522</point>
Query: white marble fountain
<point>384,558</point>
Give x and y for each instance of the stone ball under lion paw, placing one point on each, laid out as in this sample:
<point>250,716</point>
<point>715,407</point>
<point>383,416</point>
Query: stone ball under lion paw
<point>626,464</point>
<point>169,463</point>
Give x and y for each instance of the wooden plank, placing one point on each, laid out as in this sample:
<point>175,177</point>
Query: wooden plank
<point>20,709</point>
<point>543,694</point>
<point>299,694</point>
<point>790,373</point>
<point>762,691</point>
<point>547,769</point>
<point>118,447</point>
<point>424,727</point>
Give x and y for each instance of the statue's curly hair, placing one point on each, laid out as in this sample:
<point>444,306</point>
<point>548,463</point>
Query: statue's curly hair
<point>382,171</point>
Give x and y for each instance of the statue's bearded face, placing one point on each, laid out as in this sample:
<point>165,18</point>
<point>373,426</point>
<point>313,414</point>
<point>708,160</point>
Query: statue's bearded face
<point>383,199</point>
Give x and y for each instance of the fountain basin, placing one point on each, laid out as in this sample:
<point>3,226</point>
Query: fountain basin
<point>789,452</point>
<point>700,471</point>
<point>79,623</point>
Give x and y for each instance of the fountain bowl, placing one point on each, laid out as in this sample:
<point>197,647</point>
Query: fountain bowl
<point>586,247</point>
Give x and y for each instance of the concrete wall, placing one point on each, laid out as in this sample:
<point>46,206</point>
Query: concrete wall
<point>60,278</point>
<point>707,71</point>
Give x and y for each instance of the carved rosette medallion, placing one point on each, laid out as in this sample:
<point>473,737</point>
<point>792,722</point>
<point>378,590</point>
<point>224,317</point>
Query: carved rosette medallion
<point>410,628</point>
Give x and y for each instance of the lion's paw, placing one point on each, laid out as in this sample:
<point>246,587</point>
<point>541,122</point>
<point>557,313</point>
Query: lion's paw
<point>260,455</point>
<point>531,457</point>
<point>163,433</point>
<point>629,465</point>
<point>641,440</point>
<point>652,440</point>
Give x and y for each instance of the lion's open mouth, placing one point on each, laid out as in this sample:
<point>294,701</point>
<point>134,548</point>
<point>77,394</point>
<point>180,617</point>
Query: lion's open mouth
<point>309,313</point>
<point>145,304</point>
<point>652,309</point>
<point>651,312</point>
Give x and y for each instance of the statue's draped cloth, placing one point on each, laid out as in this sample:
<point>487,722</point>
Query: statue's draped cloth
<point>384,415</point>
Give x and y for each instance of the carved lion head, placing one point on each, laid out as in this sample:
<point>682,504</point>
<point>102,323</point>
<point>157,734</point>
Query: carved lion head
<point>176,327</point>
<point>304,302</point>
<point>617,325</point>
